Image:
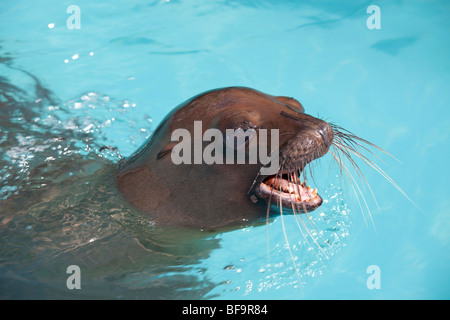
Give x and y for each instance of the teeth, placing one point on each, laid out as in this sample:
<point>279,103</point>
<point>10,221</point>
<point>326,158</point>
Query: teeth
<point>298,190</point>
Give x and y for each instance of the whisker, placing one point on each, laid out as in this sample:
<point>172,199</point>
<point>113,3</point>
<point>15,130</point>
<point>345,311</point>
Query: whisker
<point>358,171</point>
<point>340,167</point>
<point>287,240</point>
<point>350,177</point>
<point>304,208</point>
<point>314,239</point>
<point>339,130</point>
<point>377,168</point>
<point>388,178</point>
<point>347,143</point>
<point>299,215</point>
<point>351,143</point>
<point>268,213</point>
<point>296,215</point>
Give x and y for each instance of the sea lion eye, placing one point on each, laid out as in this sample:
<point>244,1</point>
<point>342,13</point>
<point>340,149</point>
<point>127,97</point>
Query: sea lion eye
<point>287,115</point>
<point>238,138</point>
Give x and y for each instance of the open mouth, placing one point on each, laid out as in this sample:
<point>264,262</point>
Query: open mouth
<point>287,189</point>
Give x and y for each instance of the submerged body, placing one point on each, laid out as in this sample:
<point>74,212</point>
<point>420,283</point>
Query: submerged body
<point>211,196</point>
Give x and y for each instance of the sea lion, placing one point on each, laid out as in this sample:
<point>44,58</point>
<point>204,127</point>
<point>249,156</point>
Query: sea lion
<point>210,196</point>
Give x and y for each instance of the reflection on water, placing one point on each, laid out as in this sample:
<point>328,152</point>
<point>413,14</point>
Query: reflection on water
<point>59,206</point>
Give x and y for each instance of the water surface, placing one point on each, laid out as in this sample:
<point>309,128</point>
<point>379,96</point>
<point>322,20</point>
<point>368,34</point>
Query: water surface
<point>64,94</point>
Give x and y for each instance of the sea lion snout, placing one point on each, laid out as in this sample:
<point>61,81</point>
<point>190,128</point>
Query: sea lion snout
<point>312,139</point>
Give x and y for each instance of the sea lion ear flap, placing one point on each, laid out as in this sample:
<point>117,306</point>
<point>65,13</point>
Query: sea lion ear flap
<point>291,103</point>
<point>166,150</point>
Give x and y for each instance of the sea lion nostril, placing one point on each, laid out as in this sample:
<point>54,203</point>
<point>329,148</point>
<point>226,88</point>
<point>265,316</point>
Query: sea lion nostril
<point>324,135</point>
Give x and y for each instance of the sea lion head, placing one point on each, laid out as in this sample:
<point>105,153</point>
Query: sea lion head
<point>210,194</point>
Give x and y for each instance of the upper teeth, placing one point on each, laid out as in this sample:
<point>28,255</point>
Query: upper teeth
<point>297,189</point>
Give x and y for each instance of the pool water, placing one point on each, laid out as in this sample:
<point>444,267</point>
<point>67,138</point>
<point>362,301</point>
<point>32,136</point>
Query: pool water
<point>66,93</point>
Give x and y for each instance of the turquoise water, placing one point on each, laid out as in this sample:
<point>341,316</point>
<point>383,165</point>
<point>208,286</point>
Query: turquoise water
<point>66,93</point>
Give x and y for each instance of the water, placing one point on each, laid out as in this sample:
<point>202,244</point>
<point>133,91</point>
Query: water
<point>66,93</point>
